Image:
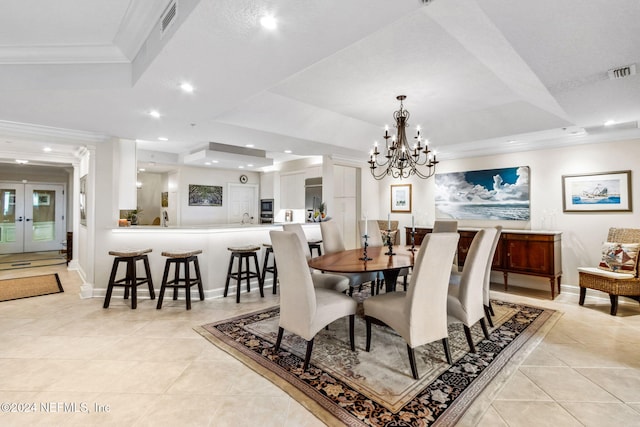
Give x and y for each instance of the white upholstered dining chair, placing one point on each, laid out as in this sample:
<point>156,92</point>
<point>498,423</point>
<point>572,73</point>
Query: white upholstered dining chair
<point>330,281</point>
<point>486,287</point>
<point>465,301</point>
<point>419,315</point>
<point>332,242</point>
<point>445,226</point>
<point>305,309</point>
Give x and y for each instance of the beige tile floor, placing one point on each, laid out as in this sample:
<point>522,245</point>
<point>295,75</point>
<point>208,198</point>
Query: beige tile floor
<point>148,367</point>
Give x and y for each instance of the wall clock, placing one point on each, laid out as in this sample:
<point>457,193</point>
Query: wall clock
<point>243,179</point>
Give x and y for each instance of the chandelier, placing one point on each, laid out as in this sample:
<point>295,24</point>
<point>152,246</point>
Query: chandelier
<point>400,160</point>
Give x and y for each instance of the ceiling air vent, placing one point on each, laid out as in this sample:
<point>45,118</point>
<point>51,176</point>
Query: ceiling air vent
<point>168,17</point>
<point>620,72</point>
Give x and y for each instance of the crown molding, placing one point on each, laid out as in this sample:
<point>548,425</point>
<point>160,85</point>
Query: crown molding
<point>34,132</point>
<point>69,54</point>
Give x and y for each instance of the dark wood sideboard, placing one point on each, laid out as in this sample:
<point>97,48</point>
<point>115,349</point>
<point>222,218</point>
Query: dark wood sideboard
<point>533,253</point>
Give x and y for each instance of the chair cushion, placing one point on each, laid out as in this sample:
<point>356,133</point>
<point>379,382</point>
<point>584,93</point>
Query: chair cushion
<point>619,257</point>
<point>605,273</point>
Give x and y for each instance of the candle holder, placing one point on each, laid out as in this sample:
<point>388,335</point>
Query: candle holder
<point>389,243</point>
<point>366,244</point>
<point>413,240</point>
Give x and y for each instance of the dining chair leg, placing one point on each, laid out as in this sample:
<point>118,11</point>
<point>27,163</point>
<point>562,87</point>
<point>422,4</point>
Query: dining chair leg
<point>447,350</point>
<point>352,321</point>
<point>467,333</point>
<point>412,362</point>
<point>484,328</point>
<point>487,314</point>
<point>491,309</point>
<point>279,339</point>
<point>368,322</point>
<point>307,356</point>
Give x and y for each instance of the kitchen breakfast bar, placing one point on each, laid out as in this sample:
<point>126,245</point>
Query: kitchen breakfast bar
<point>213,240</point>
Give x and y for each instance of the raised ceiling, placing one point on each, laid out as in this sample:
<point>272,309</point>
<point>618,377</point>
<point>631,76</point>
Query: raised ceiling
<point>478,74</point>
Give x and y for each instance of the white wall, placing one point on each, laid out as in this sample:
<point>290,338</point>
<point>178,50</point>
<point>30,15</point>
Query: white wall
<point>204,215</point>
<point>582,233</point>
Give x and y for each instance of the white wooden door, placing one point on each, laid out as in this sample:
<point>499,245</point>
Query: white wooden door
<point>43,217</point>
<point>31,217</point>
<point>11,218</point>
<point>243,203</point>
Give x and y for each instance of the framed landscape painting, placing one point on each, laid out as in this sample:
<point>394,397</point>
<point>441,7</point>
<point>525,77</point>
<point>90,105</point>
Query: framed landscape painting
<point>205,195</point>
<point>401,198</point>
<point>597,192</point>
<point>489,194</point>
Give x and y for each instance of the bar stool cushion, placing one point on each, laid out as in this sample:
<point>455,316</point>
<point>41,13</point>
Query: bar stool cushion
<point>125,253</point>
<point>181,254</point>
<point>248,248</point>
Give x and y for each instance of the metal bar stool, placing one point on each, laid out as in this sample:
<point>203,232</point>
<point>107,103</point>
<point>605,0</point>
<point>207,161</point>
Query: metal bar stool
<point>243,253</point>
<point>130,280</point>
<point>183,258</point>
<point>273,269</point>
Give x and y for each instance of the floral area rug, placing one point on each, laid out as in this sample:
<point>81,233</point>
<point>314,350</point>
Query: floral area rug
<point>376,388</point>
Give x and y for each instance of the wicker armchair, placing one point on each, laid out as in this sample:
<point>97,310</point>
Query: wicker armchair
<point>615,284</point>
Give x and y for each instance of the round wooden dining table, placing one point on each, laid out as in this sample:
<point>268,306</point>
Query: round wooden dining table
<point>350,261</point>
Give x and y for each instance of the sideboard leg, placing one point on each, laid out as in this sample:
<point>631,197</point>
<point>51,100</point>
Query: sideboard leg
<point>553,287</point>
<point>559,278</point>
<point>506,284</point>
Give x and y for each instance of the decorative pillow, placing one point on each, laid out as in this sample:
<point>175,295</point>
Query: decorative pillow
<point>385,236</point>
<point>619,257</point>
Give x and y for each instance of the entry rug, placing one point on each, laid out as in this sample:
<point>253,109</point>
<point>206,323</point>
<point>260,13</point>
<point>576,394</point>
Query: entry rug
<point>32,286</point>
<point>342,387</point>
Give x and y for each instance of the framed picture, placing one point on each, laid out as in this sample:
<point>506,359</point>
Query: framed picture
<point>401,198</point>
<point>164,197</point>
<point>83,200</point>
<point>597,192</point>
<point>43,200</point>
<point>205,195</point>
<point>488,194</point>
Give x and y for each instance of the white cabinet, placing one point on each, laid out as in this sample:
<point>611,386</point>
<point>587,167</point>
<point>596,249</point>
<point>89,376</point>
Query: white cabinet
<point>292,191</point>
<point>344,181</point>
<point>345,188</point>
<point>267,185</point>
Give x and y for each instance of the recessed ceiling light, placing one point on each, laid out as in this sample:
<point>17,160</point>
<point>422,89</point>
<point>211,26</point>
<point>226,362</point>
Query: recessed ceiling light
<point>207,163</point>
<point>268,22</point>
<point>250,145</point>
<point>154,113</point>
<point>47,149</point>
<point>240,167</point>
<point>610,122</point>
<point>22,162</point>
<point>141,170</point>
<point>287,151</point>
<point>512,141</point>
<point>214,161</point>
<point>249,165</point>
<point>162,138</point>
<point>186,87</point>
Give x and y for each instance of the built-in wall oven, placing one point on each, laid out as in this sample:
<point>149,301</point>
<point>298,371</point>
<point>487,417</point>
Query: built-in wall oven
<point>266,211</point>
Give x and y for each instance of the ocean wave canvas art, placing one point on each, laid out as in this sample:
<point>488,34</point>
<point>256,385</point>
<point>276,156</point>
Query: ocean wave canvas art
<point>490,194</point>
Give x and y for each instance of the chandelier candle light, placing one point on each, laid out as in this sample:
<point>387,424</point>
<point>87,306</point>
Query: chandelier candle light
<point>401,160</point>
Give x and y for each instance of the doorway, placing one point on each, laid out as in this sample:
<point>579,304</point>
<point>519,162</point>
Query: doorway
<point>32,217</point>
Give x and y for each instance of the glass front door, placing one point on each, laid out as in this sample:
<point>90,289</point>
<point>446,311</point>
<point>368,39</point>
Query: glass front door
<point>32,217</point>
